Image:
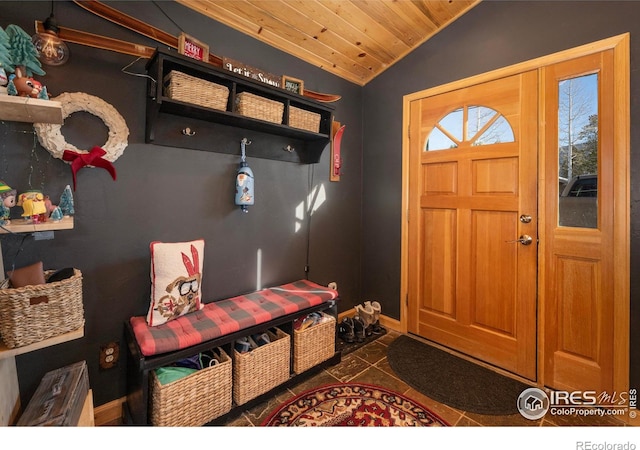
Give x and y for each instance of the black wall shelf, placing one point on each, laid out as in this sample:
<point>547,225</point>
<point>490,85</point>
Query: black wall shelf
<point>210,129</point>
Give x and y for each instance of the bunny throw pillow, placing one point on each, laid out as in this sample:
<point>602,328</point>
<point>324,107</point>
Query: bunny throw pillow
<point>176,275</point>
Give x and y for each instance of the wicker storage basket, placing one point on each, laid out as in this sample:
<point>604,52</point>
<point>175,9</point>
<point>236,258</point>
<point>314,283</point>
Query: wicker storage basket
<point>261,369</point>
<point>34,313</point>
<point>307,120</point>
<point>183,87</point>
<point>193,400</point>
<point>252,105</point>
<point>314,344</point>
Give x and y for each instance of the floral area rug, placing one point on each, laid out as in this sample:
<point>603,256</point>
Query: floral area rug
<point>352,405</point>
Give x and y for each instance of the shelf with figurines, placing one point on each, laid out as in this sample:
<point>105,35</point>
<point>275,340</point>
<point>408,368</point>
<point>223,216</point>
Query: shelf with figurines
<point>38,211</point>
<point>22,97</point>
<point>27,109</point>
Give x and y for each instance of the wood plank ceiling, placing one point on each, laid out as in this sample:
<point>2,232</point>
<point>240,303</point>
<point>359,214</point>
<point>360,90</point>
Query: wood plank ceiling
<point>353,39</point>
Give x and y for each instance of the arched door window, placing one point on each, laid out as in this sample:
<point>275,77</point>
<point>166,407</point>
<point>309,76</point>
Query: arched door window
<point>469,126</point>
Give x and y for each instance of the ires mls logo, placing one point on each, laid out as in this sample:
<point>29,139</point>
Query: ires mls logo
<point>535,403</point>
<point>578,399</point>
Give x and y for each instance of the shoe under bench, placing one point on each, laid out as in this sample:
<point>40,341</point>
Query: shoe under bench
<point>139,366</point>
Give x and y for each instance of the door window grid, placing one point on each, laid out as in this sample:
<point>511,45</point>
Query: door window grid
<point>469,126</point>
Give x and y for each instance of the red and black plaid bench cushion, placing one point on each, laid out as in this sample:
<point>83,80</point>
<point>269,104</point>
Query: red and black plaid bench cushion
<point>228,316</point>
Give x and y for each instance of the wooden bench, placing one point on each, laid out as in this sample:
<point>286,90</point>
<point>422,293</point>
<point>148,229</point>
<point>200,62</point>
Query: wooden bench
<point>219,324</point>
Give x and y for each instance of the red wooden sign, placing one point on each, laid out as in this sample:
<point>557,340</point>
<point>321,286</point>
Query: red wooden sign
<point>192,47</point>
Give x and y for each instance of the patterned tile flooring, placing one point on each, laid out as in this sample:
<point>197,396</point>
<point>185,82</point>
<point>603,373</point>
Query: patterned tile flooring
<point>368,364</point>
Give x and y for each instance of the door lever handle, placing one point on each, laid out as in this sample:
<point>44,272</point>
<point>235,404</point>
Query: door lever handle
<point>525,239</point>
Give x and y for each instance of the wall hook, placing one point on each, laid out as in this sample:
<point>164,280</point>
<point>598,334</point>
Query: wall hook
<point>243,146</point>
<point>188,132</point>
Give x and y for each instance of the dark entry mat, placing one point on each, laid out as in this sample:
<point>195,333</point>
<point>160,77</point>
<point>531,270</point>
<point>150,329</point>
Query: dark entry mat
<point>451,380</point>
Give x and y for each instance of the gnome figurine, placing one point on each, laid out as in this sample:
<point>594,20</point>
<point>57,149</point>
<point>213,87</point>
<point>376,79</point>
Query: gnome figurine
<point>8,196</point>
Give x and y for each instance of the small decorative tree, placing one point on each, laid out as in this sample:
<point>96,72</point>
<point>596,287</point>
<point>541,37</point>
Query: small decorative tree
<point>23,52</point>
<point>66,201</point>
<point>6,61</point>
<point>44,94</point>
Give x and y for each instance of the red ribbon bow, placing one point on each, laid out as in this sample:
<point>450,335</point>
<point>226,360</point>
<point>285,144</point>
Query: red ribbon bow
<point>92,159</point>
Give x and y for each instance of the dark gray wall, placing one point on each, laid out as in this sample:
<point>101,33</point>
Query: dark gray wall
<point>492,35</point>
<point>172,194</point>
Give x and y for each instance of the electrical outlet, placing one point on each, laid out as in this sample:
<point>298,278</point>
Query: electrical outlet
<point>109,355</point>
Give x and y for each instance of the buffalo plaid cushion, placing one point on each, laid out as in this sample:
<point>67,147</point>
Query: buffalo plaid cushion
<point>227,316</point>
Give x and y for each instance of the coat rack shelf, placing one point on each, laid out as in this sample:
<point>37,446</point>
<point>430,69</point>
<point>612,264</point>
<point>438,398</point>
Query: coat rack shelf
<point>209,129</point>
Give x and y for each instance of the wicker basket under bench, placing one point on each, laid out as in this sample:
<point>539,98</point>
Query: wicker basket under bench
<point>140,367</point>
<point>262,368</point>
<point>315,344</point>
<point>195,399</point>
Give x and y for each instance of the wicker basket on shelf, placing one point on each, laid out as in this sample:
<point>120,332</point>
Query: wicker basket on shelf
<point>195,399</point>
<point>306,120</point>
<point>257,107</point>
<point>188,89</point>
<point>34,313</point>
<point>262,368</point>
<point>315,344</point>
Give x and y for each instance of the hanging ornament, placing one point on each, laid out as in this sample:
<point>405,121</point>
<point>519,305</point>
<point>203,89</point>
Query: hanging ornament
<point>244,180</point>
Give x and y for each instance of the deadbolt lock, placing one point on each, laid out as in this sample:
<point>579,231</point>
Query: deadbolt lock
<point>525,218</point>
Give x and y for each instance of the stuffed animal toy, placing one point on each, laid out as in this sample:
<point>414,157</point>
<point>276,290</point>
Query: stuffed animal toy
<point>25,86</point>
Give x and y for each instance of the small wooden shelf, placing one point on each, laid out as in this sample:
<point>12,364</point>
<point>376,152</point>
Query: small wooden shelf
<point>32,110</point>
<point>21,226</point>
<point>6,352</point>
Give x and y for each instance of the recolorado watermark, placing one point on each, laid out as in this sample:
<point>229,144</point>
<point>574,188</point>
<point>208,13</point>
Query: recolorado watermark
<point>589,445</point>
<point>535,403</point>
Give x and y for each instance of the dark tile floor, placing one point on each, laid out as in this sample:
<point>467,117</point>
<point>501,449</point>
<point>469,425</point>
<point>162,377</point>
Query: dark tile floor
<point>368,364</point>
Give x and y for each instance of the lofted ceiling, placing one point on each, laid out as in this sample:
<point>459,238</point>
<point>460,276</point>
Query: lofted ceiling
<point>353,39</point>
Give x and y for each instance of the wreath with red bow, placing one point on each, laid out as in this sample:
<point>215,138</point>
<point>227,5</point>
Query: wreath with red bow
<point>51,138</point>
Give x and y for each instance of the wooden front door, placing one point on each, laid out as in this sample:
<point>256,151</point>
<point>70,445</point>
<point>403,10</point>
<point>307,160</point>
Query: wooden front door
<point>477,155</point>
<point>472,228</point>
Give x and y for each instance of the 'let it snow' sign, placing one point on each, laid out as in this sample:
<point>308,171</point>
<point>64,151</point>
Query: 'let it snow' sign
<point>251,72</point>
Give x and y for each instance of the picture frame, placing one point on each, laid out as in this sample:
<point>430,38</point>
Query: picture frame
<point>192,47</point>
<point>292,84</point>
